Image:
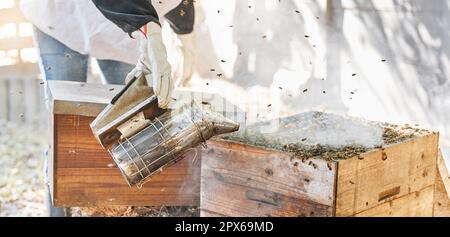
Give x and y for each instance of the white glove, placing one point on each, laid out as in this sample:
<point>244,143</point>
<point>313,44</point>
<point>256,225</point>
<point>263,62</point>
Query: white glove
<point>154,66</point>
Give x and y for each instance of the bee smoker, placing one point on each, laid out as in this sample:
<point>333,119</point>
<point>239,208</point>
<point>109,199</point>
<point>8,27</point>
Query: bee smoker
<point>143,139</point>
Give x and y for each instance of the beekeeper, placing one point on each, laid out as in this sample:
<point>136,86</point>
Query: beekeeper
<point>69,32</point>
<point>143,15</point>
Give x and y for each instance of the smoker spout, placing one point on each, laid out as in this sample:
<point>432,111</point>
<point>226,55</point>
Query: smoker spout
<point>220,124</point>
<point>225,126</point>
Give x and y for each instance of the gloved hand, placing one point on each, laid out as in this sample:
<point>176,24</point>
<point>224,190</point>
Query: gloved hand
<point>154,66</point>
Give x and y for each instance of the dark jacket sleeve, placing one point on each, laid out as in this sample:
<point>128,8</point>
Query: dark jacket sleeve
<point>129,15</point>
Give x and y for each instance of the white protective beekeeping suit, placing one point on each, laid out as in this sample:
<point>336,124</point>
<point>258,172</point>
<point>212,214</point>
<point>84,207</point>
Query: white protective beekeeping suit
<point>79,25</point>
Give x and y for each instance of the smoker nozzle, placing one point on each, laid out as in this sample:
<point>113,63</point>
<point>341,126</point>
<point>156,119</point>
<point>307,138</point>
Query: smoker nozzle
<point>166,139</point>
<point>218,123</point>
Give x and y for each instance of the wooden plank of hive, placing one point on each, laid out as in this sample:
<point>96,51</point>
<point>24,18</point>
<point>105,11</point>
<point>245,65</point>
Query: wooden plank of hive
<point>415,204</point>
<point>242,180</point>
<point>257,177</point>
<point>444,174</point>
<point>441,206</point>
<point>368,184</point>
<point>82,173</point>
<point>441,194</point>
<point>85,174</point>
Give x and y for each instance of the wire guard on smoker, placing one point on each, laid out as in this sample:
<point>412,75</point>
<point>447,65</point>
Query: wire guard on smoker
<point>165,139</point>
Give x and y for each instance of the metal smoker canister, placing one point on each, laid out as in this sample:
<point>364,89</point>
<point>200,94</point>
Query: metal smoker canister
<point>165,139</point>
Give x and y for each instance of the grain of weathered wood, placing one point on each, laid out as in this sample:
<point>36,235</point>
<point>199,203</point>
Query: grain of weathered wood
<point>443,172</point>
<point>104,186</point>
<point>383,175</point>
<point>441,206</point>
<point>51,157</point>
<point>240,180</point>
<point>85,174</point>
<point>413,204</point>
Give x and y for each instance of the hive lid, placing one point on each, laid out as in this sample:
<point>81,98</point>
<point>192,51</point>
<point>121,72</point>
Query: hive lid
<point>328,135</point>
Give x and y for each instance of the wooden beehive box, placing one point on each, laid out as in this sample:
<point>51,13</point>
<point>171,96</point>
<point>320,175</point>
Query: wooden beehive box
<point>442,190</point>
<point>83,174</point>
<point>244,176</point>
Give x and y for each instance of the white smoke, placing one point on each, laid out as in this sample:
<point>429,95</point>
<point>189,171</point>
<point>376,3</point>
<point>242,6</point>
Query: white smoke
<point>382,60</point>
